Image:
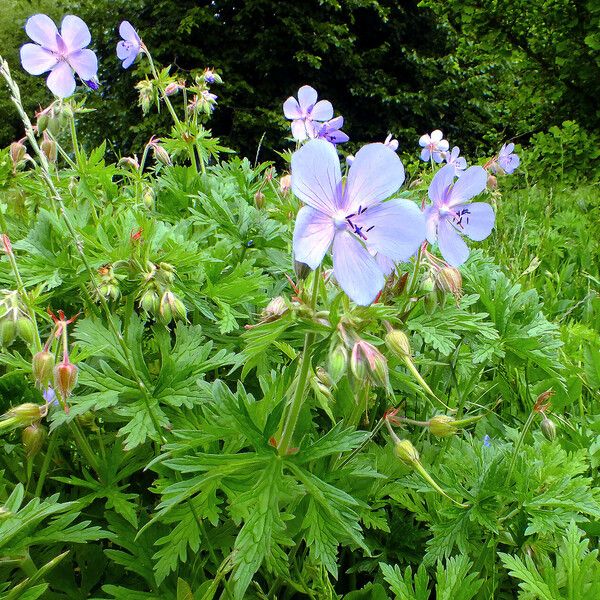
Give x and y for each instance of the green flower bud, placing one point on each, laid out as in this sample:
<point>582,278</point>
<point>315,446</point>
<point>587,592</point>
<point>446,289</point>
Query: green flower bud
<point>427,285</point>
<point>324,377</point>
<point>48,147</point>
<point>22,415</point>
<point>406,452</point>
<point>42,122</point>
<point>449,280</point>
<point>338,362</point>
<point>33,438</point>
<point>161,155</point>
<point>149,302</point>
<point>398,344</point>
<point>171,307</point>
<point>276,307</point>
<point>442,426</point>
<point>42,366</point>
<point>8,332</point>
<point>367,361</point>
<point>548,429</point>
<point>26,329</point>
<point>17,153</point>
<point>149,197</point>
<point>259,199</point>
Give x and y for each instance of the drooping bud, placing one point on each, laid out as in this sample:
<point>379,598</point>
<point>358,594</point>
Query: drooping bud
<point>276,307</point>
<point>285,184</point>
<point>338,362</point>
<point>442,425</point>
<point>22,415</point>
<point>150,302</point>
<point>548,428</point>
<point>25,329</point>
<point>49,148</point>
<point>259,199</point>
<point>42,367</point>
<point>406,452</point>
<point>449,280</point>
<point>171,307</point>
<point>65,378</point>
<point>33,438</point>
<point>172,88</point>
<point>367,361</point>
<point>129,161</point>
<point>161,155</point>
<point>398,344</point>
<point>492,182</point>
<point>8,331</point>
<point>17,153</point>
<point>148,196</point>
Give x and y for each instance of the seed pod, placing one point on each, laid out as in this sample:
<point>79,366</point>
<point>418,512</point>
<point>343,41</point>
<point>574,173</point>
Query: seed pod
<point>406,452</point>
<point>48,147</point>
<point>150,302</point>
<point>17,153</point>
<point>25,329</point>
<point>42,366</point>
<point>449,280</point>
<point>548,429</point>
<point>442,426</point>
<point>65,378</point>
<point>33,438</point>
<point>338,362</point>
<point>8,331</point>
<point>398,344</point>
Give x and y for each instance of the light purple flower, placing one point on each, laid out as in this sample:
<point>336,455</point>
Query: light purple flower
<point>331,131</point>
<point>433,145</point>
<point>353,219</point>
<point>487,441</point>
<point>50,396</point>
<point>391,143</point>
<point>130,46</point>
<point>305,112</point>
<point>507,160</point>
<point>60,53</point>
<point>452,158</point>
<point>449,217</point>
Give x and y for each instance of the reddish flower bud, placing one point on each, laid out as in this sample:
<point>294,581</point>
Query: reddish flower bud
<point>367,361</point>
<point>65,378</point>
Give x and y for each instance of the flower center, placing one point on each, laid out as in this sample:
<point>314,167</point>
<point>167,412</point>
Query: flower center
<point>348,222</point>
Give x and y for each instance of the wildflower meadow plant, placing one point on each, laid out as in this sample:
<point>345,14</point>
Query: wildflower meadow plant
<point>306,113</point>
<point>507,159</point>
<point>434,146</point>
<point>61,53</point>
<point>130,46</point>
<point>353,219</point>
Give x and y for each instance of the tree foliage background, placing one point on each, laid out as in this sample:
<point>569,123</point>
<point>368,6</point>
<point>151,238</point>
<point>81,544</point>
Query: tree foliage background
<point>484,71</point>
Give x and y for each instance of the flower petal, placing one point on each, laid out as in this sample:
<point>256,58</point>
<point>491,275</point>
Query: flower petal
<point>424,140</point>
<point>472,182</point>
<point>322,111</point>
<point>307,97</point>
<point>124,50</point>
<point>316,176</point>
<point>376,173</point>
<point>395,228</point>
<point>355,269</point>
<point>299,130</point>
<point>84,63</point>
<point>436,135</point>
<point>37,60</point>
<point>386,264</point>
<point>41,29</point>
<point>425,154</point>
<point>313,235</point>
<point>441,181</point>
<point>291,109</point>
<point>75,33</point>
<point>442,146</point>
<point>432,217</point>
<point>128,33</point>
<point>61,81</point>
<point>478,222</point>
<point>452,246</point>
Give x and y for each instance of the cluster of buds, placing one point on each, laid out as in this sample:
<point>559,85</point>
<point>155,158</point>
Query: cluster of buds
<point>202,103</point>
<point>442,279</point>
<point>54,119</point>
<point>14,320</point>
<point>156,296</point>
<point>542,406</point>
<point>108,283</point>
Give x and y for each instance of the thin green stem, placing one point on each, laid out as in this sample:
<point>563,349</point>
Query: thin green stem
<point>162,91</point>
<point>295,407</point>
<point>84,445</point>
<point>76,148</point>
<point>518,446</point>
<point>46,464</point>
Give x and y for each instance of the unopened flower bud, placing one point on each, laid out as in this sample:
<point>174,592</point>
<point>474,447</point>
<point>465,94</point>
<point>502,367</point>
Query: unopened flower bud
<point>427,285</point>
<point>42,367</point>
<point>338,362</point>
<point>548,429</point>
<point>146,94</point>
<point>148,196</point>
<point>442,426</point>
<point>17,153</point>
<point>259,199</point>
<point>285,184</point>
<point>65,378</point>
<point>48,147</point>
<point>398,344</point>
<point>449,280</point>
<point>161,155</point>
<point>324,377</point>
<point>33,438</point>
<point>492,182</point>
<point>171,307</point>
<point>276,307</point>
<point>8,331</point>
<point>150,302</point>
<point>172,88</point>
<point>42,122</point>
<point>22,415</point>
<point>367,361</point>
<point>129,161</point>
<point>406,452</point>
<point>25,329</point>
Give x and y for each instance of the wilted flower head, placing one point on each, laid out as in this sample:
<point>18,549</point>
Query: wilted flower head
<point>353,220</point>
<point>60,53</point>
<point>306,111</point>
<point>449,217</point>
<point>507,160</point>
<point>130,46</point>
<point>331,131</point>
<point>433,146</point>
<point>453,158</point>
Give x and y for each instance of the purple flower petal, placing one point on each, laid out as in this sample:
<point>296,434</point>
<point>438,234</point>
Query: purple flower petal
<point>85,63</point>
<point>472,182</point>
<point>432,217</point>
<point>424,141</point>
<point>307,97</point>
<point>128,33</point>
<point>355,269</point>
<point>395,228</point>
<point>299,129</point>
<point>41,29</point>
<point>316,176</point>
<point>37,60</point>
<point>425,154</point>
<point>376,173</point>
<point>480,221</point>
<point>436,137</point>
<point>75,33</point>
<point>291,109</point>
<point>453,248</point>
<point>386,264</point>
<point>61,81</point>
<point>440,183</point>
<point>322,111</point>
<point>313,235</point>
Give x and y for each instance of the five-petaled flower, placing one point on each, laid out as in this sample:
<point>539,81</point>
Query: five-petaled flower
<point>433,146</point>
<point>332,131</point>
<point>306,113</point>
<point>453,158</point>
<point>130,46</point>
<point>450,216</point>
<point>507,160</point>
<point>353,219</point>
<point>60,53</point>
